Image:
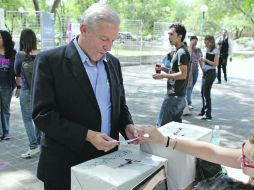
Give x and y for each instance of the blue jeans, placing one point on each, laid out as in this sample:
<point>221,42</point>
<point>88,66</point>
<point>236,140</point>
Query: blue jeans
<point>33,134</point>
<point>189,89</point>
<point>5,102</point>
<point>171,110</point>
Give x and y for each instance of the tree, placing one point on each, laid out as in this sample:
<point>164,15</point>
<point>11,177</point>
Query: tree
<point>149,11</point>
<point>55,6</point>
<point>36,5</point>
<point>236,15</point>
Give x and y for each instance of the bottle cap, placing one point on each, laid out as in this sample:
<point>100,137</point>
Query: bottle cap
<point>216,127</point>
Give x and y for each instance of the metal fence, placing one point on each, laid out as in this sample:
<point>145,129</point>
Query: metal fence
<point>130,46</point>
<point>160,34</point>
<point>16,21</point>
<point>61,27</point>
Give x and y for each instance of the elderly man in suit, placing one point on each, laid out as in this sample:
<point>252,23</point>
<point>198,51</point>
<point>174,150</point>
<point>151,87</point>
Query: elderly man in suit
<point>79,101</point>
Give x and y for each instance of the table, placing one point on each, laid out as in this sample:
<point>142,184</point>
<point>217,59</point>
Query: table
<point>181,166</point>
<point>110,172</point>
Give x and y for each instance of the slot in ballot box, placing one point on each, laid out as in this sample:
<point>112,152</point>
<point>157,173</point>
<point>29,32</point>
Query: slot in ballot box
<point>124,169</point>
<point>181,166</point>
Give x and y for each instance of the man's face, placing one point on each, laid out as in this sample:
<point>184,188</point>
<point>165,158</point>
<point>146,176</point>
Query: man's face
<point>206,42</point>
<point>96,42</point>
<point>224,33</point>
<point>173,37</point>
<point>194,42</point>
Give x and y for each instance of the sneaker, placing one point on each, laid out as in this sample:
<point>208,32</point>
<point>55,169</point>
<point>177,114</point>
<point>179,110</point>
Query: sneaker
<point>208,118</point>
<point>30,153</point>
<point>201,114</point>
<point>6,137</point>
<point>186,111</point>
<point>190,107</point>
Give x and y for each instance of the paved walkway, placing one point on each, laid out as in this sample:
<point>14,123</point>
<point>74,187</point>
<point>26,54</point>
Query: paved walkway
<point>233,106</point>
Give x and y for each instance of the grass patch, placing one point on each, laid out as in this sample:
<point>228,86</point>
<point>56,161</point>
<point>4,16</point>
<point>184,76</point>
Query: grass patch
<point>239,56</point>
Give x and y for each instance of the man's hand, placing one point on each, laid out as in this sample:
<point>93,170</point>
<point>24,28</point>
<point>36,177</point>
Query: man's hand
<point>101,141</point>
<point>158,76</point>
<point>230,59</point>
<point>132,132</point>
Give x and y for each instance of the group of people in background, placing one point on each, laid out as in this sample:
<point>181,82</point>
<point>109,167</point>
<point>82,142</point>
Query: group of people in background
<point>215,57</point>
<point>12,77</point>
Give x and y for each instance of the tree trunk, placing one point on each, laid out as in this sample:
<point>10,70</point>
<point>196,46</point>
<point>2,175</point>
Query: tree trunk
<point>36,5</point>
<point>37,9</point>
<point>55,6</point>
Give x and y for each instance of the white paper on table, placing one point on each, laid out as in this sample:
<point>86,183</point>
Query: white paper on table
<point>151,161</point>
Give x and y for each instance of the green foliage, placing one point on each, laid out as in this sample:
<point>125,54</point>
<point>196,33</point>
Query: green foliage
<point>149,11</point>
<point>237,16</point>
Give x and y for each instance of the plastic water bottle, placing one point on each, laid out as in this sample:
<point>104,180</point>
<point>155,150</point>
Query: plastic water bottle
<point>216,135</point>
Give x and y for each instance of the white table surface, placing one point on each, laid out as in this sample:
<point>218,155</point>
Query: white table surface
<point>181,166</point>
<point>104,172</point>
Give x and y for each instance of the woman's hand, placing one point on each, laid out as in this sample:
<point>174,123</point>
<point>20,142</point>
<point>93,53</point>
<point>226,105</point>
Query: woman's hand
<point>203,59</point>
<point>155,136</point>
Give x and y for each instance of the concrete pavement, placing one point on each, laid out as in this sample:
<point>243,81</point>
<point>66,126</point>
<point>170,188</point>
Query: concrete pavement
<point>233,110</point>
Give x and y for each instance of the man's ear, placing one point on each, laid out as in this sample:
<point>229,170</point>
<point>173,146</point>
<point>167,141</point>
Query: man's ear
<point>180,36</point>
<point>83,28</point>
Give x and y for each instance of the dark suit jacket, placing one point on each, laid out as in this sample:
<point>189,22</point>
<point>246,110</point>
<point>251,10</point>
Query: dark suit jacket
<point>65,107</point>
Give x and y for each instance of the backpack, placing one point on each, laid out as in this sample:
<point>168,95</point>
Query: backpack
<point>27,67</point>
<point>167,59</point>
<point>206,170</point>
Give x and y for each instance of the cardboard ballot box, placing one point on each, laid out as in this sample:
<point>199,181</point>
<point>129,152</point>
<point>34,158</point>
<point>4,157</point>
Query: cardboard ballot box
<point>124,169</point>
<point>181,166</point>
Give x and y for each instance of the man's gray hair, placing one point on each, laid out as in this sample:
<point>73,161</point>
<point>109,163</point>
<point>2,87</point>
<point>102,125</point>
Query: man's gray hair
<point>100,12</point>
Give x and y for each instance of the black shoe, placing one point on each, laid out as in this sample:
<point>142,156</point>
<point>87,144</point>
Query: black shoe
<point>219,82</point>
<point>5,137</point>
<point>201,114</point>
<point>207,118</point>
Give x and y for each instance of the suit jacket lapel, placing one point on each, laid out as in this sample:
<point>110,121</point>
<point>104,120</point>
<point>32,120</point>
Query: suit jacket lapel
<point>113,92</point>
<point>76,66</point>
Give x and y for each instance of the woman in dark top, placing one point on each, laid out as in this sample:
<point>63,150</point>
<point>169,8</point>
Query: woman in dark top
<point>210,62</point>
<point>7,81</point>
